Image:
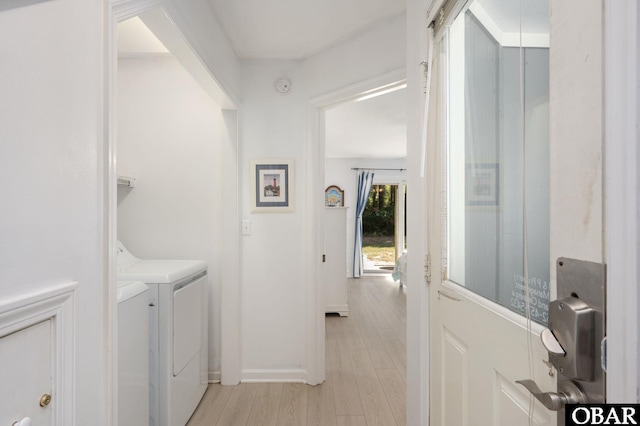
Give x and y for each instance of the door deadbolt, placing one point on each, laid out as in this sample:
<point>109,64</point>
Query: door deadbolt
<point>571,321</point>
<point>576,326</point>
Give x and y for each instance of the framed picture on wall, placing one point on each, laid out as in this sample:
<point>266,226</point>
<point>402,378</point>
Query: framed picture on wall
<point>272,185</point>
<point>333,196</point>
<point>482,184</point>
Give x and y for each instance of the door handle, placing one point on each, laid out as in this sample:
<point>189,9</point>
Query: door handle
<point>552,400</point>
<point>568,393</point>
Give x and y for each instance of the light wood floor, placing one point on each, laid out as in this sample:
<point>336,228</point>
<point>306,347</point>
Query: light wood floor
<point>366,365</point>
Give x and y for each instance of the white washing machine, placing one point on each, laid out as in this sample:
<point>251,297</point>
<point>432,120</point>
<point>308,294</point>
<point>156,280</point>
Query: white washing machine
<point>178,339</point>
<point>133,353</point>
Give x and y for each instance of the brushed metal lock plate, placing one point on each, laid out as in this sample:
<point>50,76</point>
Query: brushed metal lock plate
<point>585,281</point>
<point>573,339</point>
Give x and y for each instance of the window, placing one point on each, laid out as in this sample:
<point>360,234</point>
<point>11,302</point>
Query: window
<point>498,153</point>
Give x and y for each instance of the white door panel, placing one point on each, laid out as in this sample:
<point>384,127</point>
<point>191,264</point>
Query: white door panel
<point>26,368</point>
<point>482,352</point>
<point>187,324</point>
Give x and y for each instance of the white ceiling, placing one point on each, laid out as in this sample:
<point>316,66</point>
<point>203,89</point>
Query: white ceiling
<point>295,29</point>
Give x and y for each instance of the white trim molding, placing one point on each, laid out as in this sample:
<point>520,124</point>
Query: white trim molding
<point>126,9</point>
<point>275,376</point>
<point>214,376</point>
<point>622,216</point>
<point>418,315</point>
<point>342,310</point>
<point>56,303</point>
<point>230,314</point>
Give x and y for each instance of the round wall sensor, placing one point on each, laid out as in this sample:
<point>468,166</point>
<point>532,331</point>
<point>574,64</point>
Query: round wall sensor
<point>283,85</point>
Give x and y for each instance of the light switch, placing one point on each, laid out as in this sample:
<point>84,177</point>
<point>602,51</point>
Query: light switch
<point>246,227</point>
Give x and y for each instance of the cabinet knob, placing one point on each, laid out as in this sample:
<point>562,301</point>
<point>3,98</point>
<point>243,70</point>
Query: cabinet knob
<point>24,422</point>
<point>45,400</point>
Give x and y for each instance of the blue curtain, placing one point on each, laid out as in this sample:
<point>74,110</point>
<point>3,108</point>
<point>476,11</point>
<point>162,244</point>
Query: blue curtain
<point>365,180</point>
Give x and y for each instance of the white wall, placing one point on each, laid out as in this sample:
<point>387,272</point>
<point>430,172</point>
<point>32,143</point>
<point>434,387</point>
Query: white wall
<point>275,282</point>
<point>379,50</point>
<point>51,138</point>
<point>169,137</point>
<point>273,290</point>
<point>338,171</point>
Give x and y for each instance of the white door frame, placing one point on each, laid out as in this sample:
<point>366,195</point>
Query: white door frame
<point>622,219</point>
<point>400,213</point>
<point>118,11</point>
<point>419,15</point>
<point>315,160</point>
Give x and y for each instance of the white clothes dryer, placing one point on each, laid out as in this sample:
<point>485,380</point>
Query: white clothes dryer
<point>133,353</point>
<point>178,336</point>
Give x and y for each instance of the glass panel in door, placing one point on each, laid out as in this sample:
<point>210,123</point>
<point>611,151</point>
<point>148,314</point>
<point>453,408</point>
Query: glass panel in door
<point>498,153</point>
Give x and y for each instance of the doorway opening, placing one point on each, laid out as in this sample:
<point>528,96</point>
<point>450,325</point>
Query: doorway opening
<point>384,230</point>
<point>147,47</point>
<point>328,170</point>
<point>368,133</point>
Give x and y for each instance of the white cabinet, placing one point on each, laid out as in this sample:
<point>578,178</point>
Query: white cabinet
<point>37,347</point>
<point>26,371</point>
<point>335,266</point>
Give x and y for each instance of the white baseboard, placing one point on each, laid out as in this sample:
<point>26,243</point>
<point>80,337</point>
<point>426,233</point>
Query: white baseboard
<point>273,376</point>
<point>343,310</point>
<point>214,376</point>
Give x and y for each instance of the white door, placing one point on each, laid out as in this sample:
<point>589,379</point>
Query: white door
<point>518,161</point>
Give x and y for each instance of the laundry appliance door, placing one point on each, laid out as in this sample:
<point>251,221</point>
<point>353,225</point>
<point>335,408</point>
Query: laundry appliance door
<point>187,323</point>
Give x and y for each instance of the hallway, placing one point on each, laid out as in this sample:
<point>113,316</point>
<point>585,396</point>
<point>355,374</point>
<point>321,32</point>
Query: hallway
<point>366,372</point>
